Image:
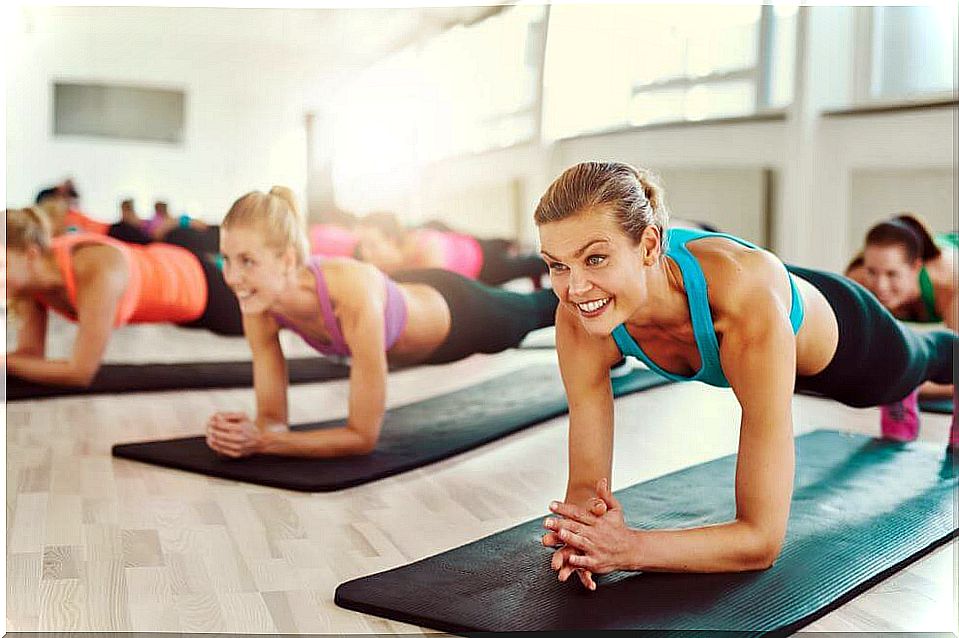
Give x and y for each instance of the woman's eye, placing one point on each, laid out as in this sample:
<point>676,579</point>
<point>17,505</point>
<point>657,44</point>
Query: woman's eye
<point>595,260</point>
<point>557,267</point>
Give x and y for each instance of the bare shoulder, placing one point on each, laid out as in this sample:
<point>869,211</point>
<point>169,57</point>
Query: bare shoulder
<point>353,283</point>
<point>942,271</point>
<point>260,328</point>
<point>741,280</point>
<point>575,344</point>
<point>99,263</point>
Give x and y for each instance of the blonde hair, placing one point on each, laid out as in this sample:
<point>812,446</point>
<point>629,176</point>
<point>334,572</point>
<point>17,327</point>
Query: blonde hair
<point>277,215</point>
<point>28,227</point>
<point>634,195</point>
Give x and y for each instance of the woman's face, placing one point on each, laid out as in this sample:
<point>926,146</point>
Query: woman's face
<point>890,275</point>
<point>256,273</point>
<point>595,268</point>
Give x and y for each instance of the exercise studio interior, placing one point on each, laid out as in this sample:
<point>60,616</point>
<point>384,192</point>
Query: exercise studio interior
<point>415,318</point>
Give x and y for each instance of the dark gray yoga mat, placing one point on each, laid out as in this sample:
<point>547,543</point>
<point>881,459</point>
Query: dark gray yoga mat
<point>117,378</point>
<point>412,435</point>
<point>862,509</point>
<point>937,406</point>
<point>155,377</point>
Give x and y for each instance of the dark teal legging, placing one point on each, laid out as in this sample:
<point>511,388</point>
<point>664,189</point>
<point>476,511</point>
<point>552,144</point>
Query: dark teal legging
<point>878,360</point>
<point>482,318</point>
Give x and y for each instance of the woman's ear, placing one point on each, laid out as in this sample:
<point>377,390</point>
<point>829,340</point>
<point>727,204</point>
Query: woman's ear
<point>651,245</point>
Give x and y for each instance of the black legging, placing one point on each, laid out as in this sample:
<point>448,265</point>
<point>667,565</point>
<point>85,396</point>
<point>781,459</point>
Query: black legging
<point>482,318</point>
<point>878,359</point>
<point>129,233</point>
<point>198,242</point>
<point>222,313</point>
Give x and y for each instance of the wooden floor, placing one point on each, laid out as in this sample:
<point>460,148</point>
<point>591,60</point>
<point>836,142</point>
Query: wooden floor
<point>101,544</point>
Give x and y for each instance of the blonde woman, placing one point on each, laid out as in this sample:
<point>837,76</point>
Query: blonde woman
<point>101,284</point>
<point>346,308</point>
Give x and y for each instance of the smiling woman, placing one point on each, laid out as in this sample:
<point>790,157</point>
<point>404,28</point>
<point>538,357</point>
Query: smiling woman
<point>696,305</point>
<point>346,308</point>
<point>911,271</point>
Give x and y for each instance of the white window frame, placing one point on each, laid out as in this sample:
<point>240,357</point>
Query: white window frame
<point>760,72</point>
<point>864,61</point>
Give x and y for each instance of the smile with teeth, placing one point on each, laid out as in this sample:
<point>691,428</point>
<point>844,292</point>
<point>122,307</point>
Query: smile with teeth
<point>593,306</point>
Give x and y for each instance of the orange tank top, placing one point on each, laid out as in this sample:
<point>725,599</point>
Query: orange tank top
<point>166,282</point>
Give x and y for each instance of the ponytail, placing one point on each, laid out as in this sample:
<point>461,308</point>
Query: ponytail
<point>28,227</point>
<point>276,214</point>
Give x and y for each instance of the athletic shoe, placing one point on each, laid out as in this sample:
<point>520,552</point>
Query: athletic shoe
<point>900,420</point>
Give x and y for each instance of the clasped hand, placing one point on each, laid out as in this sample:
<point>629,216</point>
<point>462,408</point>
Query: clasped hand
<point>233,434</point>
<point>590,541</point>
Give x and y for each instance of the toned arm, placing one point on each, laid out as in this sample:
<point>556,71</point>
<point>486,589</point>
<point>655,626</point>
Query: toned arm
<point>359,297</point>
<point>101,278</point>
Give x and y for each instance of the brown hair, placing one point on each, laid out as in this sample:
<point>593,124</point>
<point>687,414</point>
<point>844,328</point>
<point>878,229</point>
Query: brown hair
<point>908,231</point>
<point>28,227</point>
<point>633,194</point>
<point>276,214</point>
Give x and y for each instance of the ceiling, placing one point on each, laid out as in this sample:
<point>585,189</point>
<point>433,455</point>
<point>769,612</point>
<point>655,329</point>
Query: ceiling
<point>336,37</point>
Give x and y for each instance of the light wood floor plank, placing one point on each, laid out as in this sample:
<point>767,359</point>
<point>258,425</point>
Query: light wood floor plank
<point>101,544</point>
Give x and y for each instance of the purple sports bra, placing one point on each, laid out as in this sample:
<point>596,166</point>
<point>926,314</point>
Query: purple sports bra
<point>394,315</point>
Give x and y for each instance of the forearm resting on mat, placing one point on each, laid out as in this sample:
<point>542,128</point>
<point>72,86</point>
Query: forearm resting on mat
<point>728,547</point>
<point>327,443</point>
<point>64,372</point>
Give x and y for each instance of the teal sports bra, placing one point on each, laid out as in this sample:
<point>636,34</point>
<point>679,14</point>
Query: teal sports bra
<point>711,371</point>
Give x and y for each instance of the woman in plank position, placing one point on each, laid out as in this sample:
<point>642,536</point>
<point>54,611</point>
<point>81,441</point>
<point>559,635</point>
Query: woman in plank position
<point>384,242</point>
<point>913,274</point>
<point>709,307</point>
<point>346,308</point>
<point>101,284</point>
<point>910,270</point>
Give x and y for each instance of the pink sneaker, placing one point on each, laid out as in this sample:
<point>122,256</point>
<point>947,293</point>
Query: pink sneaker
<point>900,420</point>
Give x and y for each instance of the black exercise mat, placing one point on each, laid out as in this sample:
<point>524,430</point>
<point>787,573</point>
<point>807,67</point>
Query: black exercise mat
<point>937,406</point>
<point>862,509</point>
<point>412,435</point>
<point>121,378</point>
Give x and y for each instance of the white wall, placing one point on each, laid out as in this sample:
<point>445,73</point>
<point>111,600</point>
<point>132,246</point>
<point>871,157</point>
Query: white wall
<point>876,194</point>
<point>244,130</point>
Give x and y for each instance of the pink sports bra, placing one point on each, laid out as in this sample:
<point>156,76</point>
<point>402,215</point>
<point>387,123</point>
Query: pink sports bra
<point>394,315</point>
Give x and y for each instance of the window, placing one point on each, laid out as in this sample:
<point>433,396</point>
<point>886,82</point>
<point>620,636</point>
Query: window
<point>484,82</point>
<point>913,51</point>
<point>467,90</point>
<point>610,66</point>
<point>121,112</point>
